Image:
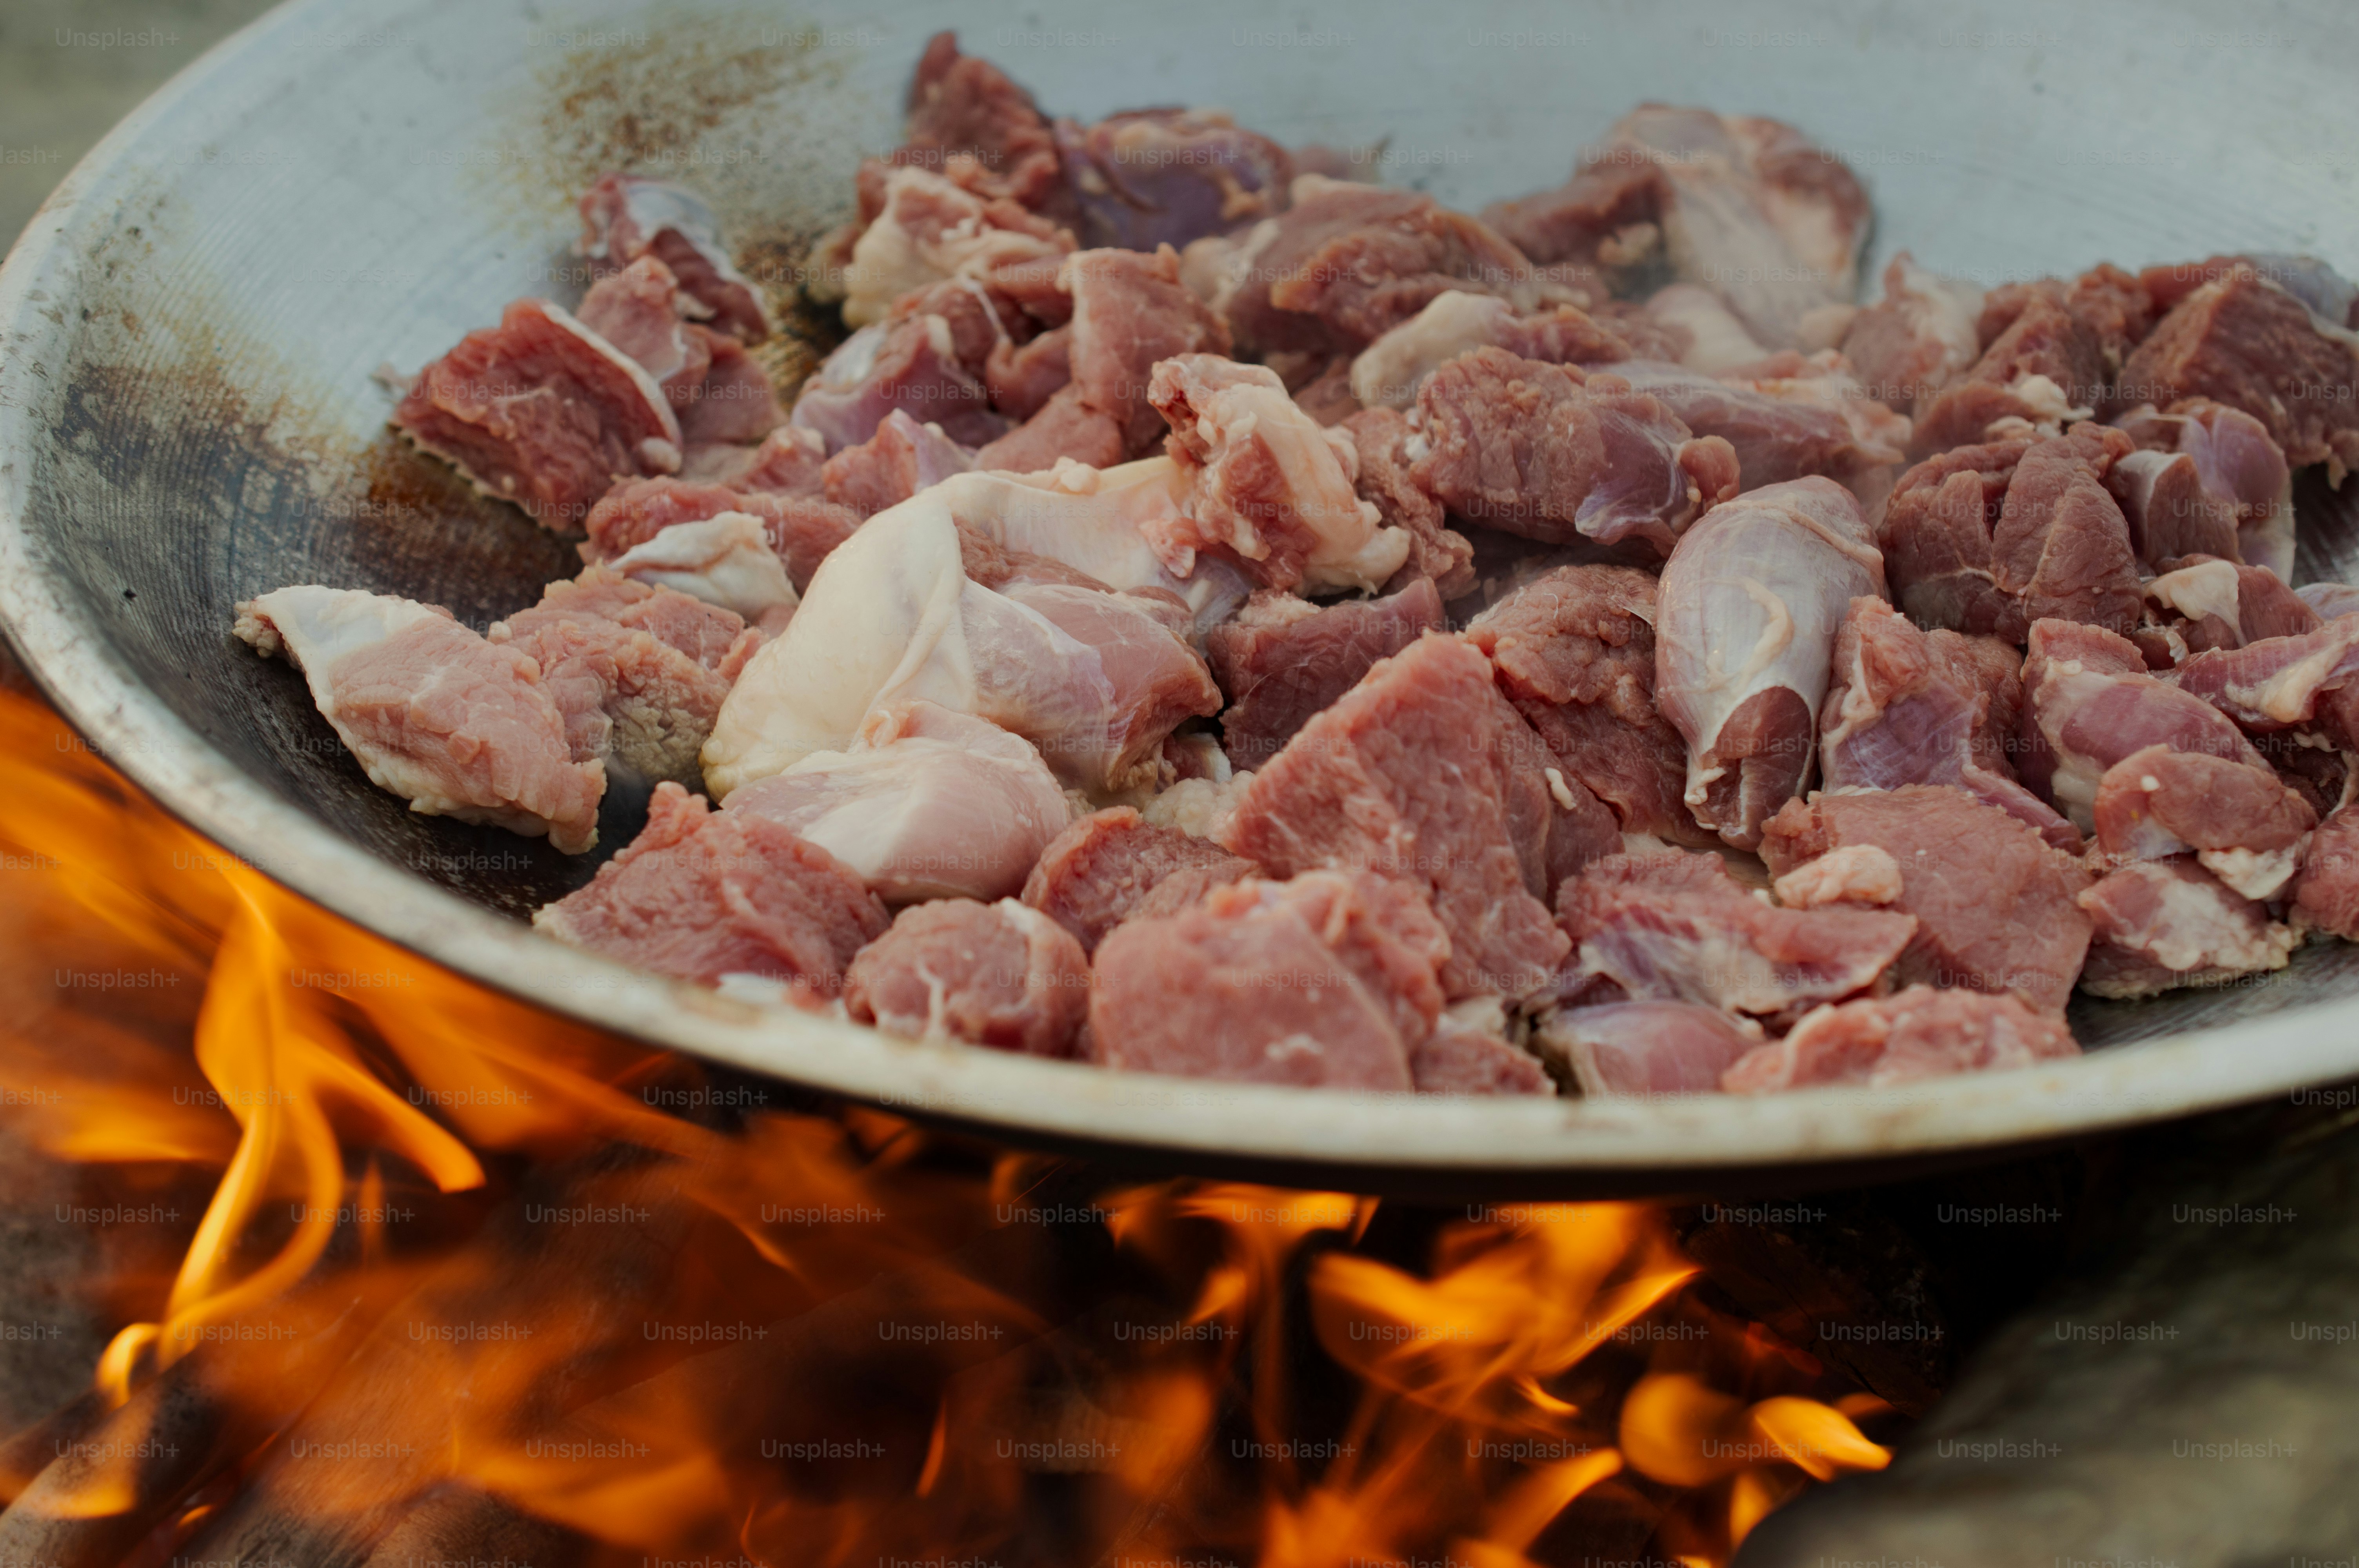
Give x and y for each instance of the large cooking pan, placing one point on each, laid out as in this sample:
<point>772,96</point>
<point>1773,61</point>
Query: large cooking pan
<point>188,417</point>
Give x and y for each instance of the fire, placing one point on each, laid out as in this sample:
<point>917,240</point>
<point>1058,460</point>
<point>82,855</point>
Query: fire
<point>457,1248</point>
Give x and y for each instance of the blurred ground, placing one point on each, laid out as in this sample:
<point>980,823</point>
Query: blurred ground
<point>71,68</point>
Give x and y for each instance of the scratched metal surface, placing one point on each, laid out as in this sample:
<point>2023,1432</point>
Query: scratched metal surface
<point>188,416</point>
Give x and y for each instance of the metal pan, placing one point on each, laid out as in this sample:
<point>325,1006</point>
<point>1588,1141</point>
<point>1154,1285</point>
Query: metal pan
<point>188,417</point>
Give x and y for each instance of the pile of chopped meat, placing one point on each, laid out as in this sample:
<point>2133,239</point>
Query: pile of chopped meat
<point>1212,617</point>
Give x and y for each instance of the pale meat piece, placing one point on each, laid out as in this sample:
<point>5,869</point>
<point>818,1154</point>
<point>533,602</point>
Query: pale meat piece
<point>1918,1033</point>
<point>1534,449</point>
<point>1096,680</point>
<point>541,411</point>
<point>1282,660</point>
<point>1146,177</point>
<point>967,119</point>
<point>638,670</point>
<point>1778,424</point>
<point>702,893</point>
<point>2169,511</point>
<point>1347,263</point>
<point>1262,483</point>
<point>1645,1048</point>
<point>1423,771</point>
<point>2244,342</point>
<point>1381,438</point>
<point>2325,895</point>
<point>1993,903</point>
<point>924,803</point>
<point>1936,535</point>
<point>455,725</point>
<point>2089,702</point>
<point>1130,313</point>
<point>997,975</point>
<point>1917,339</point>
<point>1023,377</point>
<point>1906,707</point>
<point>1713,341</point>
<point>2237,469</point>
<point>626,218</point>
<point>1102,869</point>
<point>1744,632</point>
<point>902,458</point>
<point>2214,603</point>
<point>912,364</point>
<point>785,462</point>
<point>800,529</point>
<point>1388,372</point>
<point>1064,428</point>
<point>1749,206</point>
<point>1332,978</point>
<point>633,309</point>
<point>2046,371</point>
<point>1678,927</point>
<point>927,229</point>
<point>1574,651</point>
<point>2243,825</point>
<point>1468,1054</point>
<point>2116,307</point>
<point>2162,925</point>
<point>724,560</point>
<point>1605,216</point>
<point>2301,682</point>
<point>2332,601</point>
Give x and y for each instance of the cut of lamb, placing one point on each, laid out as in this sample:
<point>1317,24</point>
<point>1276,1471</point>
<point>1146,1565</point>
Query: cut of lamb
<point>1332,978</point>
<point>457,726</point>
<point>785,462</point>
<point>1346,263</point>
<point>2325,895</point>
<point>1917,339</point>
<point>2243,340</point>
<point>1388,372</point>
<point>1022,377</point>
<point>1381,438</point>
<point>1574,651</point>
<point>1744,632</point>
<point>1283,660</point>
<point>1645,1048</point>
<point>724,560</point>
<point>2245,827</point>
<point>2279,683</point>
<point>1096,680</point>
<point>1710,337</point>
<point>639,671</point>
<point>702,893</point>
<point>966,118</point>
<point>2089,702</point>
<point>626,218</point>
<point>1064,428</point>
<point>2236,469</point>
<point>635,311</point>
<point>1918,1033</point>
<point>1468,1054</point>
<point>927,229</point>
<point>924,803</point>
<point>1993,904</point>
<point>910,364</point>
<point>1928,707</point>
<point>1779,427</point>
<point>988,974</point>
<point>1605,217</point>
<point>800,529</point>
<point>1166,176</point>
<point>1678,927</point>
<point>2214,603</point>
<point>1264,484</point>
<point>1531,449</point>
<point>902,458</point>
<point>2165,924</point>
<point>735,406</point>
<point>1130,313</point>
<point>2046,370</point>
<point>1104,868</point>
<point>2332,601</point>
<point>541,411</point>
<point>1423,771</point>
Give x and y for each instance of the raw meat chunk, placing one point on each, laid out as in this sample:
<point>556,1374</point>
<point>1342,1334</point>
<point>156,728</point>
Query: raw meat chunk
<point>2238,468</point>
<point>1919,1034</point>
<point>1710,337</point>
<point>2044,372</point>
<point>1917,708</point>
<point>626,218</point>
<point>800,529</point>
<point>2326,892</point>
<point>1022,378</point>
<point>1604,216</point>
<point>926,229</point>
<point>456,726</point>
<point>1917,339</point>
<point>988,974</point>
<point>1165,177</point>
<point>1574,651</point>
<point>902,458</point>
<point>2165,924</point>
<point>1423,771</point>
<point>1993,904</point>
<point>633,309</point>
<point>1744,632</point>
<point>924,803</point>
<point>2244,341</point>
<point>1065,426</point>
<point>1388,372</point>
<point>1468,1054</point>
<point>701,893</point>
<point>2280,682</point>
<point>2243,825</point>
<point>1779,427</point>
<point>1332,978</point>
<point>910,364</point>
<point>724,560</point>
<point>2332,601</point>
<point>2214,603</point>
<point>1264,482</point>
<point>1099,871</point>
<point>639,671</point>
<point>1380,436</point>
<point>785,462</point>
<point>1131,313</point>
<point>1282,660</point>
<point>1529,448</point>
<point>1646,1048</point>
<point>543,412</point>
<point>967,119</point>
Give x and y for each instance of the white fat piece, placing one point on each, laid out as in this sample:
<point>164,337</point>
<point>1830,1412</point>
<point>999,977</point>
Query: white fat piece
<point>1388,372</point>
<point>724,559</point>
<point>2208,587</point>
<point>1718,341</point>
